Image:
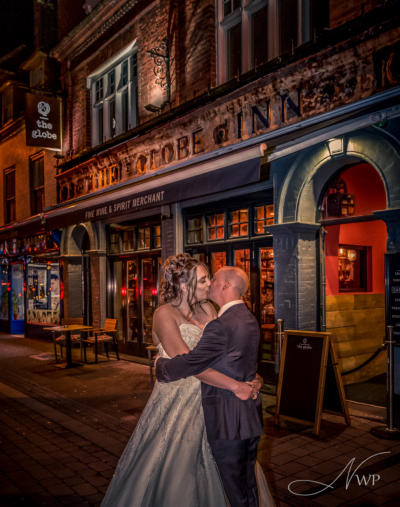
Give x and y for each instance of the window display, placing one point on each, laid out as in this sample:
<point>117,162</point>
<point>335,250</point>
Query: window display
<point>43,293</point>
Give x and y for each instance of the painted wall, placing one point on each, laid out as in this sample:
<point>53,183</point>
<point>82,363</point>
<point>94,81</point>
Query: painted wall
<point>365,184</point>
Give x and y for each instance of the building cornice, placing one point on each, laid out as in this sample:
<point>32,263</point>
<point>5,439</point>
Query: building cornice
<point>92,28</point>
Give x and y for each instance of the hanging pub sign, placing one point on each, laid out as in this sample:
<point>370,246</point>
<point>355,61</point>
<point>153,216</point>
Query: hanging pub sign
<point>43,121</point>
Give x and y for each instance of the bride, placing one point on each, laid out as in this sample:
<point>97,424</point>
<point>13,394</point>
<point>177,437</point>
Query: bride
<point>167,461</point>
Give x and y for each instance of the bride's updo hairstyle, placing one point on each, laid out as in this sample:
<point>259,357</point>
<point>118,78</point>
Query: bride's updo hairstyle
<point>177,269</point>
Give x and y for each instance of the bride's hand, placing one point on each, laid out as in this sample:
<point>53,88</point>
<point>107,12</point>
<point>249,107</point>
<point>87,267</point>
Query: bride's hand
<point>245,391</point>
<point>257,382</point>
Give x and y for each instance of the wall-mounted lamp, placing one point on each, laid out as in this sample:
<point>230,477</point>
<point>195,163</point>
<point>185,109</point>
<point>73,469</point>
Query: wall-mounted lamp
<point>160,56</point>
<point>335,146</point>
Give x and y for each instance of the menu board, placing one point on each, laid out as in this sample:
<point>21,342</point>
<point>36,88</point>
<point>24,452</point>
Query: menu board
<point>309,379</point>
<point>393,294</point>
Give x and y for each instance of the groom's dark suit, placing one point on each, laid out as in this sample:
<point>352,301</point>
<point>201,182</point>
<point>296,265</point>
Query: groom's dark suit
<point>229,345</point>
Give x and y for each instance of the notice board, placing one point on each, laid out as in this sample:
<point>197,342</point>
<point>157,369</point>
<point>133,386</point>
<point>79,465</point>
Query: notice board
<point>309,379</point>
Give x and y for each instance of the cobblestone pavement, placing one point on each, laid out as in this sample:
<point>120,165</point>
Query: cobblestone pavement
<point>62,431</point>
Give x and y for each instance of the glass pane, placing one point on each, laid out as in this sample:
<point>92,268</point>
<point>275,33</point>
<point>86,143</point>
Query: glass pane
<point>220,233</point>
<point>218,260</point>
<point>131,292</point>
<point>43,295</point>
<point>235,230</point>
<point>260,36</point>
<point>157,236</point>
<point>235,51</point>
<point>260,212</point>
<point>129,243</point>
<point>17,292</point>
<point>115,246</point>
<point>149,298</point>
<point>144,238</point>
<point>4,292</point>
<point>288,20</point>
<point>267,310</point>
<point>242,260</point>
<point>244,229</point>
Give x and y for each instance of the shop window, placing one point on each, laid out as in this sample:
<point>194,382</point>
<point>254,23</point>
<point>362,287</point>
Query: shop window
<point>194,230</point>
<point>114,96</point>
<point>9,195</point>
<point>36,169</point>
<point>216,227</point>
<point>144,238</point>
<point>157,236</point>
<point>264,216</point>
<point>43,296</point>
<point>239,223</point>
<point>354,268</point>
<point>252,32</point>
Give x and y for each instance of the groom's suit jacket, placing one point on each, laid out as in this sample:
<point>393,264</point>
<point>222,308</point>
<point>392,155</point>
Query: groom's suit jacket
<point>229,345</point>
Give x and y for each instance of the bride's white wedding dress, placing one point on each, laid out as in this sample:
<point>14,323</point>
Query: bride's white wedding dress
<point>167,461</point>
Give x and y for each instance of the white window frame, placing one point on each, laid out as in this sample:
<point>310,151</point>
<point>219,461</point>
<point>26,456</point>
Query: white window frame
<point>101,74</point>
<point>244,15</point>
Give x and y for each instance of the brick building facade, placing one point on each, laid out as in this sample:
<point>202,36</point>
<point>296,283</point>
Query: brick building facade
<point>229,131</point>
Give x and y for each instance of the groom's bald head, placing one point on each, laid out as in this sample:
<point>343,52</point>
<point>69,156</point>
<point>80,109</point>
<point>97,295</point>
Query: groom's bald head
<point>229,284</point>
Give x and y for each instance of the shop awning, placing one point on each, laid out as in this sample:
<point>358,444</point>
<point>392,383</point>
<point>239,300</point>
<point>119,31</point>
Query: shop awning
<point>199,180</point>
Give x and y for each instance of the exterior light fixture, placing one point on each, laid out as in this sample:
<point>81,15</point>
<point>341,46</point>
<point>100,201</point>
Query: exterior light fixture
<point>160,56</point>
<point>335,146</point>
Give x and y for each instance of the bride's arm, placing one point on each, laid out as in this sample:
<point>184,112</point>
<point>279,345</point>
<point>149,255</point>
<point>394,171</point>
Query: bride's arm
<point>166,330</point>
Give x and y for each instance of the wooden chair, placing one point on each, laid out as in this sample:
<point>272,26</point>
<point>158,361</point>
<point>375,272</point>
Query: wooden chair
<point>105,335</point>
<point>61,338</point>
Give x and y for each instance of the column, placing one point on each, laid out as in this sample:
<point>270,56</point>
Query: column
<point>296,274</point>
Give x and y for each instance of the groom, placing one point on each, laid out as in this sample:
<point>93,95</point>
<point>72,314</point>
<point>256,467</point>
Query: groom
<point>230,345</point>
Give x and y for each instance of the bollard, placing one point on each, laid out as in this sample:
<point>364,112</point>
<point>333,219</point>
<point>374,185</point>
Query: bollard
<point>278,344</point>
<point>389,431</point>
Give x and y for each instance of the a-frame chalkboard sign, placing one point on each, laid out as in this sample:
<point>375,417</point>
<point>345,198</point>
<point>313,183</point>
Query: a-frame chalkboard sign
<point>309,379</point>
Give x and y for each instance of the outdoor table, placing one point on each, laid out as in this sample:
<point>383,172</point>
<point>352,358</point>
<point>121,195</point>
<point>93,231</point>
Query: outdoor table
<point>67,329</point>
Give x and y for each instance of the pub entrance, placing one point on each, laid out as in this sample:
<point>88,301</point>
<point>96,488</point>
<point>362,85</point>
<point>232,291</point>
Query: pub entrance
<point>134,272</point>
<point>355,245</point>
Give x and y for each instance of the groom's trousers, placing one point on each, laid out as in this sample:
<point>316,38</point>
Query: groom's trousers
<point>236,461</point>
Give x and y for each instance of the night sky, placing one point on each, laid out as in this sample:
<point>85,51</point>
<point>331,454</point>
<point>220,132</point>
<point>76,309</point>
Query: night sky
<point>16,24</point>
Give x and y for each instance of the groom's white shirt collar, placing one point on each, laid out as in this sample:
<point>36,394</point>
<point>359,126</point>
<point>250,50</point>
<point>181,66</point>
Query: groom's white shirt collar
<point>228,305</point>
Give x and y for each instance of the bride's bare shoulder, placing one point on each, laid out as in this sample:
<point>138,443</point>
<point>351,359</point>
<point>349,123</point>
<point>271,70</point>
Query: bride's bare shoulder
<point>165,311</point>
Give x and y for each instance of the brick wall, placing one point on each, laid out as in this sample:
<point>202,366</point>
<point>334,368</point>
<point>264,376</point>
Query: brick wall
<point>342,11</point>
<point>190,29</point>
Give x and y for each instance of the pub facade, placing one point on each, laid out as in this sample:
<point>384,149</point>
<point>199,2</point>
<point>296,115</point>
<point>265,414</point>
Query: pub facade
<point>195,129</point>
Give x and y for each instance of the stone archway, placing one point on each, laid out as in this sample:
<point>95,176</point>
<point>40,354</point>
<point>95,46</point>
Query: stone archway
<point>309,173</point>
<point>83,248</point>
<point>297,235</point>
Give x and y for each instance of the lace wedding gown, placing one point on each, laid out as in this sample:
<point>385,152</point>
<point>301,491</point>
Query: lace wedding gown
<point>167,461</point>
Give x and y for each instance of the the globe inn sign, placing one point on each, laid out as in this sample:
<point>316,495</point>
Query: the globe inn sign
<point>43,121</point>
